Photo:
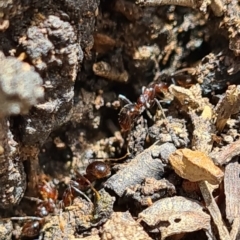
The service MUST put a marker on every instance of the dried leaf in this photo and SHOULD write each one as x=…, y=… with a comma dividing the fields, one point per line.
x=186, y=97
x=176, y=215
x=121, y=225
x=195, y=166
x=227, y=106
x=189, y=99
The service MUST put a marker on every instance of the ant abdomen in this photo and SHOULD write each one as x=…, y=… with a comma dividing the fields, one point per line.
x=128, y=114
x=31, y=229
x=97, y=170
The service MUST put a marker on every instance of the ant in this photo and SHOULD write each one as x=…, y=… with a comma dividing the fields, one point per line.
x=49, y=202
x=94, y=171
x=44, y=207
x=131, y=111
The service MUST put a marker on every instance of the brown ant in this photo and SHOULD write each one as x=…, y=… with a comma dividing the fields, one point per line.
x=49, y=197
x=131, y=111
x=94, y=171
x=44, y=207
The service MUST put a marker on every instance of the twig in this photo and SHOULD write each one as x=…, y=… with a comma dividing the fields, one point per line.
x=216, y=5
x=212, y=207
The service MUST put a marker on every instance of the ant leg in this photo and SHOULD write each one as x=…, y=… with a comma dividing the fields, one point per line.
x=170, y=131
x=143, y=89
x=41, y=236
x=149, y=114
x=173, y=81
x=81, y=193
x=37, y=200
x=124, y=99
x=190, y=70
x=97, y=195
x=160, y=107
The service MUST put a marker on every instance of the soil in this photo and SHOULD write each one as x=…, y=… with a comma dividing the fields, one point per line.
x=95, y=61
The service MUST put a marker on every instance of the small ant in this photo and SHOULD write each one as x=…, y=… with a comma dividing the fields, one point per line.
x=49, y=202
x=44, y=207
x=94, y=171
x=131, y=111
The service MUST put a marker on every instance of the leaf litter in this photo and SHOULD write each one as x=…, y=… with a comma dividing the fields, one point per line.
x=192, y=147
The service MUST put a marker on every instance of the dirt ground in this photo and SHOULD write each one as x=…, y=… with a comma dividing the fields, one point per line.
x=119, y=119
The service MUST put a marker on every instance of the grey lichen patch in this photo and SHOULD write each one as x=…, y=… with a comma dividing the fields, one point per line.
x=20, y=86
x=12, y=175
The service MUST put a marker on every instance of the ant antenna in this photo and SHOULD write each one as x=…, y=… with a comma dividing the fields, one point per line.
x=117, y=159
x=24, y=218
x=183, y=70
x=113, y=159
x=97, y=195
x=124, y=99
x=190, y=70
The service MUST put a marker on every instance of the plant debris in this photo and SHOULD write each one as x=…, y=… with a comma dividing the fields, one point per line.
x=176, y=215
x=119, y=119
x=149, y=163
x=123, y=226
x=231, y=190
x=195, y=166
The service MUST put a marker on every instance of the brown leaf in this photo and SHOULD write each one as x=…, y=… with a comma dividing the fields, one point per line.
x=176, y=215
x=195, y=166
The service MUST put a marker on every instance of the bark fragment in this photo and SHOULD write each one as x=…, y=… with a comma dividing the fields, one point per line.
x=149, y=163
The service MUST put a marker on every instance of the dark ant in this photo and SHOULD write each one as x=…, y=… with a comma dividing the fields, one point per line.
x=131, y=111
